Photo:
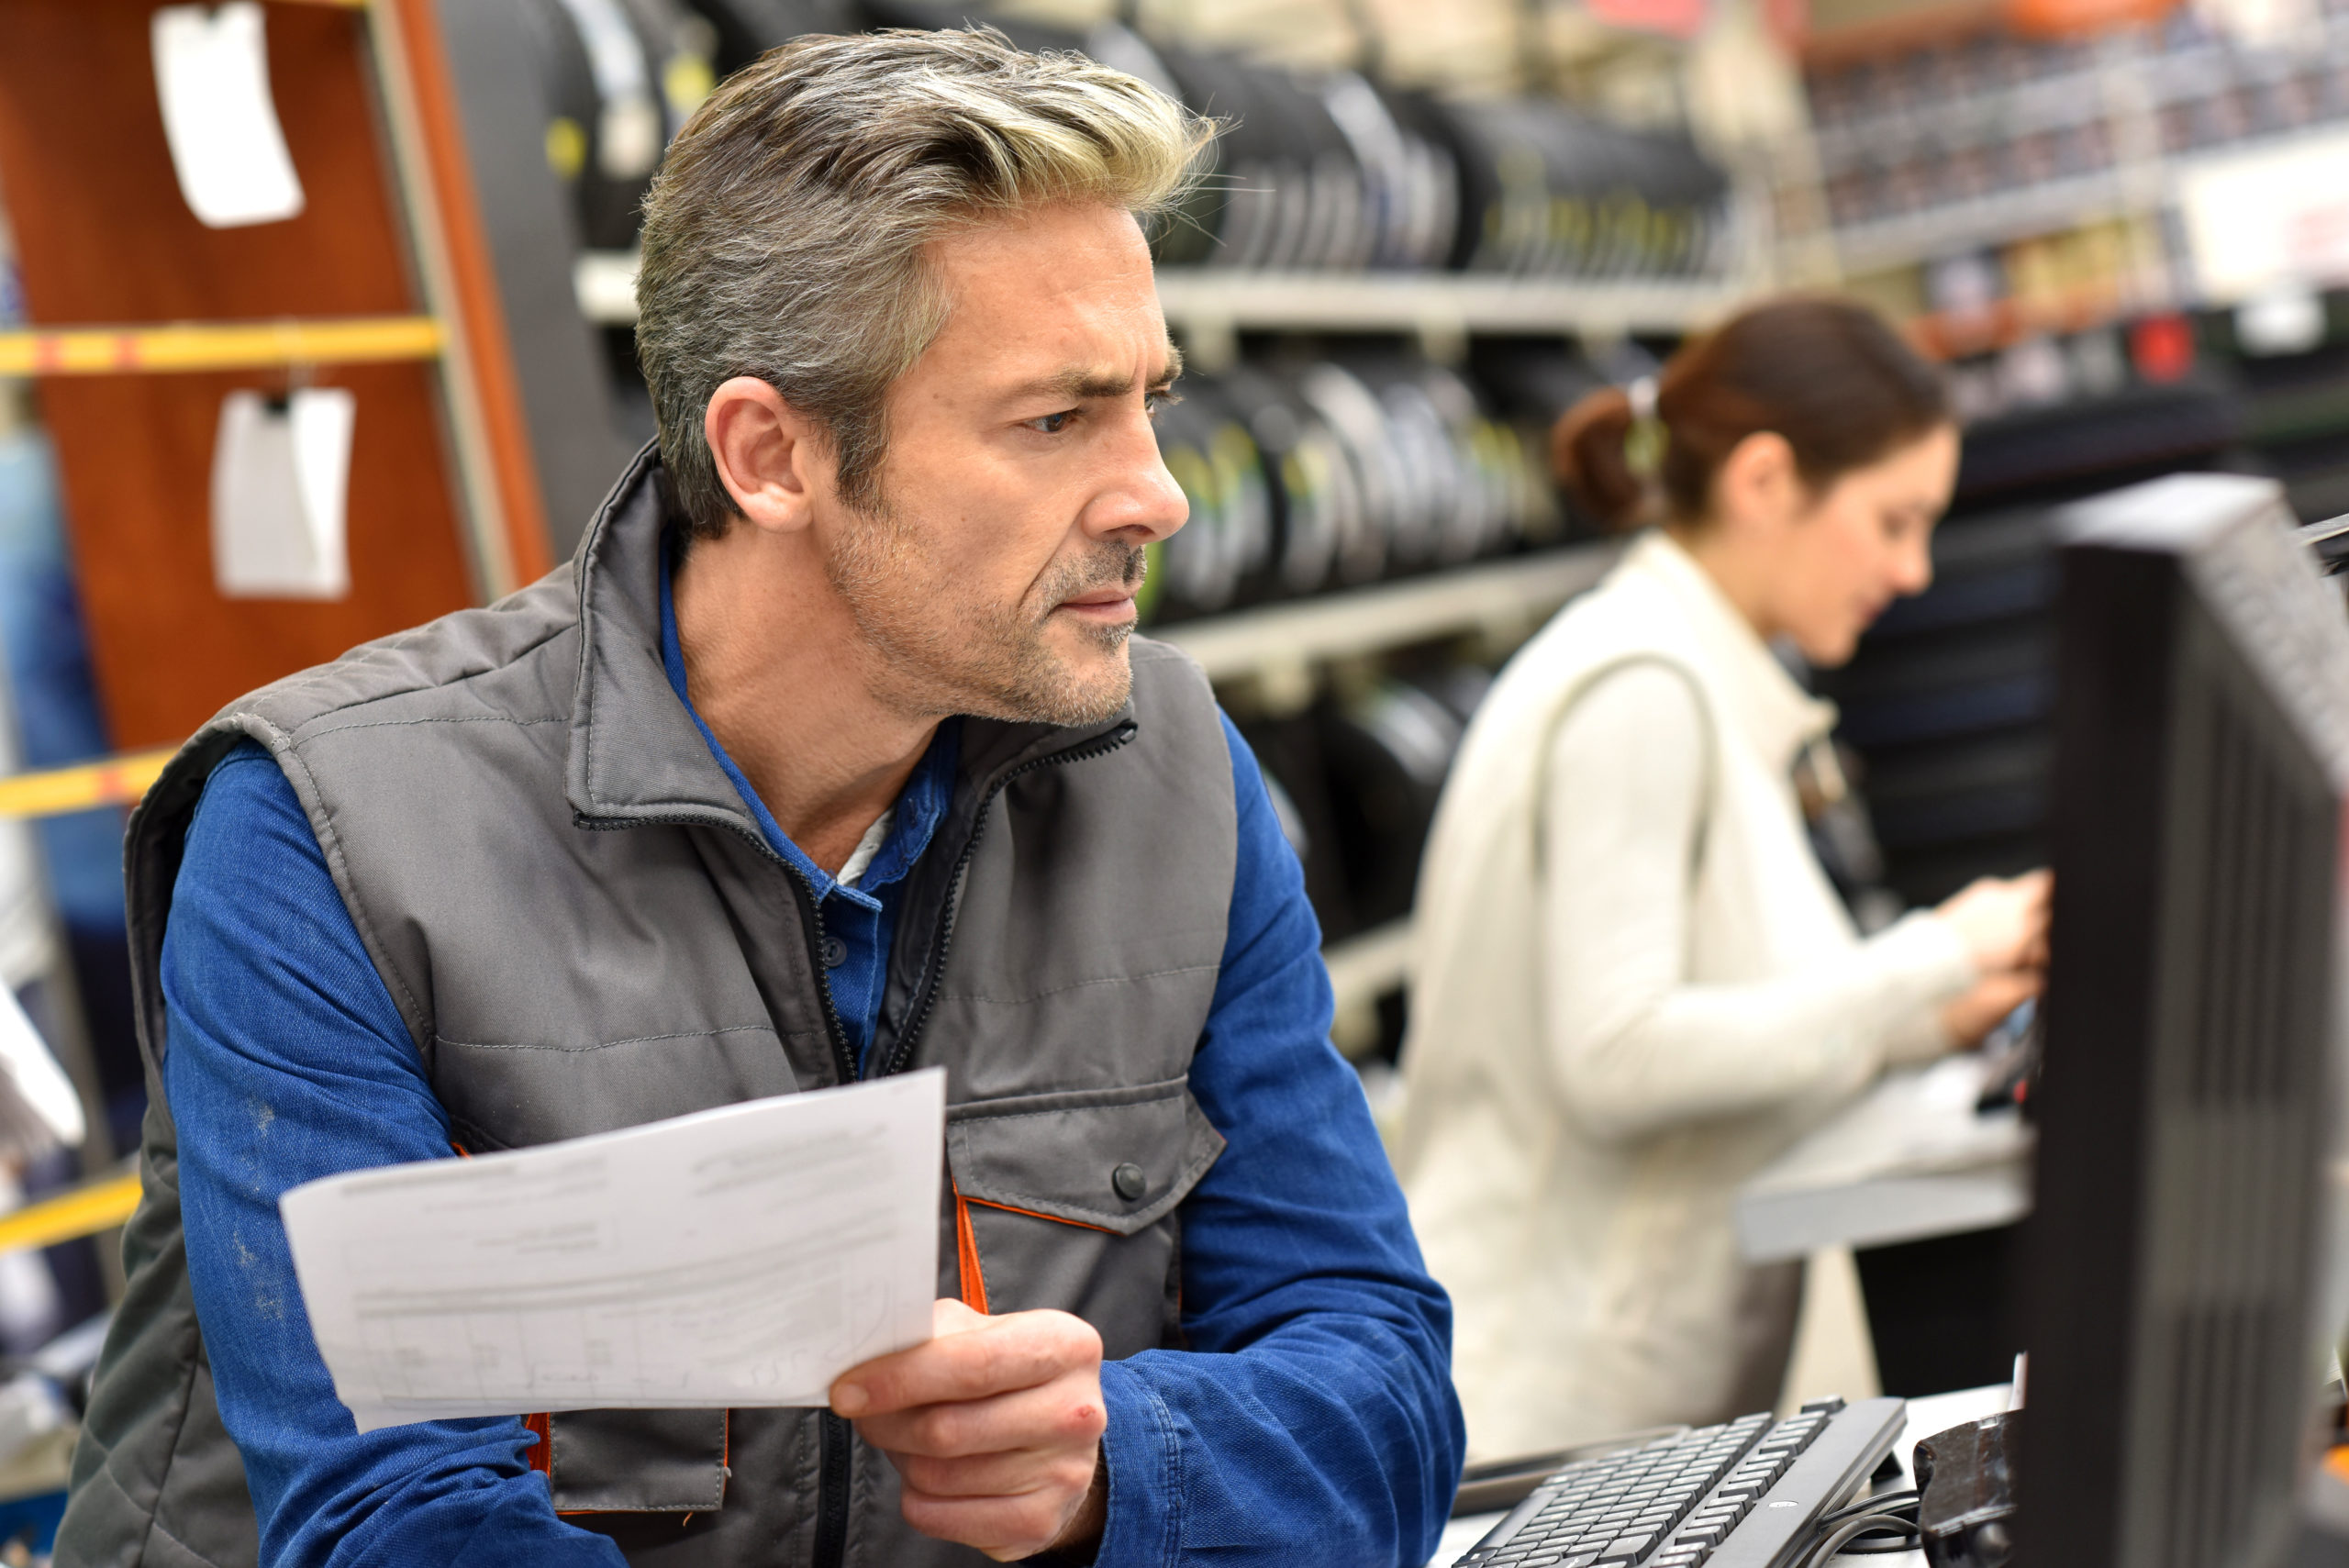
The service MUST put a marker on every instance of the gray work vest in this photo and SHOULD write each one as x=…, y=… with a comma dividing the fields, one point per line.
x=583, y=928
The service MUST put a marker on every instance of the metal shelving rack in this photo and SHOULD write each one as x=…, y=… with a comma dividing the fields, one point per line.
x=1209, y=305
x=2121, y=87
x=1277, y=647
x=1279, y=643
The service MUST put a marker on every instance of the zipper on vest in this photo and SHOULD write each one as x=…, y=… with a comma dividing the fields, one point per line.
x=836, y=1449
x=832, y=1490
x=1101, y=746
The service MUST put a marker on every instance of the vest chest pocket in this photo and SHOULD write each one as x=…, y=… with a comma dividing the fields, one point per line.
x=1071, y=1201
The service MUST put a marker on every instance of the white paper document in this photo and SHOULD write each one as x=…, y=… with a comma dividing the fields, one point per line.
x=212, y=80
x=743, y=1256
x=280, y=487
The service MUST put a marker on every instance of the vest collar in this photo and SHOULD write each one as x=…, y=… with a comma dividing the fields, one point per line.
x=636, y=754
x=1760, y=700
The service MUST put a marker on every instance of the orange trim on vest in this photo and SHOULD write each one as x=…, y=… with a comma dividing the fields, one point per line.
x=1055, y=1218
x=541, y=1454
x=967, y=1256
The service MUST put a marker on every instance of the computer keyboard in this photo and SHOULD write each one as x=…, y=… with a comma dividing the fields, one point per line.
x=1747, y=1494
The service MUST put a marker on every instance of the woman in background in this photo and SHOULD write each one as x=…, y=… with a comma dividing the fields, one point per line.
x=1634, y=985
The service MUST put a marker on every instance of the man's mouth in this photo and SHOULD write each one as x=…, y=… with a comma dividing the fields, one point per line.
x=1112, y=603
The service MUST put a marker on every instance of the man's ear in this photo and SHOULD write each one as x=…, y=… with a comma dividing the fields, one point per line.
x=772, y=458
x=1759, y=484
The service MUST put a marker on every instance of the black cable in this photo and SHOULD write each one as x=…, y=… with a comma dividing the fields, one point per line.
x=1870, y=1527
x=1845, y=1534
x=1908, y=1539
x=1882, y=1502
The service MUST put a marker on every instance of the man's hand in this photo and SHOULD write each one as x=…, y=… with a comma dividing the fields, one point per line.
x=994, y=1427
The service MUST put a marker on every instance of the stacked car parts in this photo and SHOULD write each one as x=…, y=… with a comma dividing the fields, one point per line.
x=1316, y=474
x=618, y=79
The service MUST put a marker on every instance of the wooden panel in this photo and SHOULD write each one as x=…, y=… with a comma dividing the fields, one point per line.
x=102, y=236
x=169, y=650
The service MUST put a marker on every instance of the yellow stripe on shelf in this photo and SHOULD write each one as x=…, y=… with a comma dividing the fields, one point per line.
x=218, y=346
x=84, y=1211
x=118, y=781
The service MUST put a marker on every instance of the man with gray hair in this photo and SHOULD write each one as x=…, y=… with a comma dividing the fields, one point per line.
x=831, y=755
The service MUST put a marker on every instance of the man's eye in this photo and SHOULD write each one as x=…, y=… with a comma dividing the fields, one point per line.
x=1053, y=424
x=1157, y=402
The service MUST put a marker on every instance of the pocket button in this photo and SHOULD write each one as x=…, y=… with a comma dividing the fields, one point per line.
x=1129, y=1182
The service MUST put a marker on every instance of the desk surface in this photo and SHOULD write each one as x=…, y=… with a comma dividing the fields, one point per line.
x=1908, y=1160
x=1926, y=1417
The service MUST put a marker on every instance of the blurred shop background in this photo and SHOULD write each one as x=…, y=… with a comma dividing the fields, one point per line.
x=315, y=322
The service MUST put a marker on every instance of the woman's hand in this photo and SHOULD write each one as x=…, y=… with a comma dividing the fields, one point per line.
x=2003, y=925
x=2002, y=921
x=1972, y=1016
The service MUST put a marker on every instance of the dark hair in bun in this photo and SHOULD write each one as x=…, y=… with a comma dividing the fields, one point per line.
x=1830, y=375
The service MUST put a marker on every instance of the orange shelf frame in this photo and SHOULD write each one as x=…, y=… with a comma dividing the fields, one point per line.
x=219, y=346
x=114, y=780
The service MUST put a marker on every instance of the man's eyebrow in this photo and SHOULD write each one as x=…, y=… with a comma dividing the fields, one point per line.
x=1081, y=384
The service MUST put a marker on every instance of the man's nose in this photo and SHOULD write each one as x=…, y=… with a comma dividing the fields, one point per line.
x=1141, y=503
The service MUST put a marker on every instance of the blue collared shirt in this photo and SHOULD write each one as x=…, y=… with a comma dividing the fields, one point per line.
x=1310, y=1423
x=859, y=922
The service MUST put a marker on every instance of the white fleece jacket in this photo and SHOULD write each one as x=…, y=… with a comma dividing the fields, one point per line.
x=1633, y=987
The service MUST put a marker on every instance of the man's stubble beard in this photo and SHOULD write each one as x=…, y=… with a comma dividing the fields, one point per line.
x=945, y=653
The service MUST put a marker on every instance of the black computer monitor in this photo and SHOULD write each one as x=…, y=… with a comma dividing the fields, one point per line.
x=2169, y=1301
